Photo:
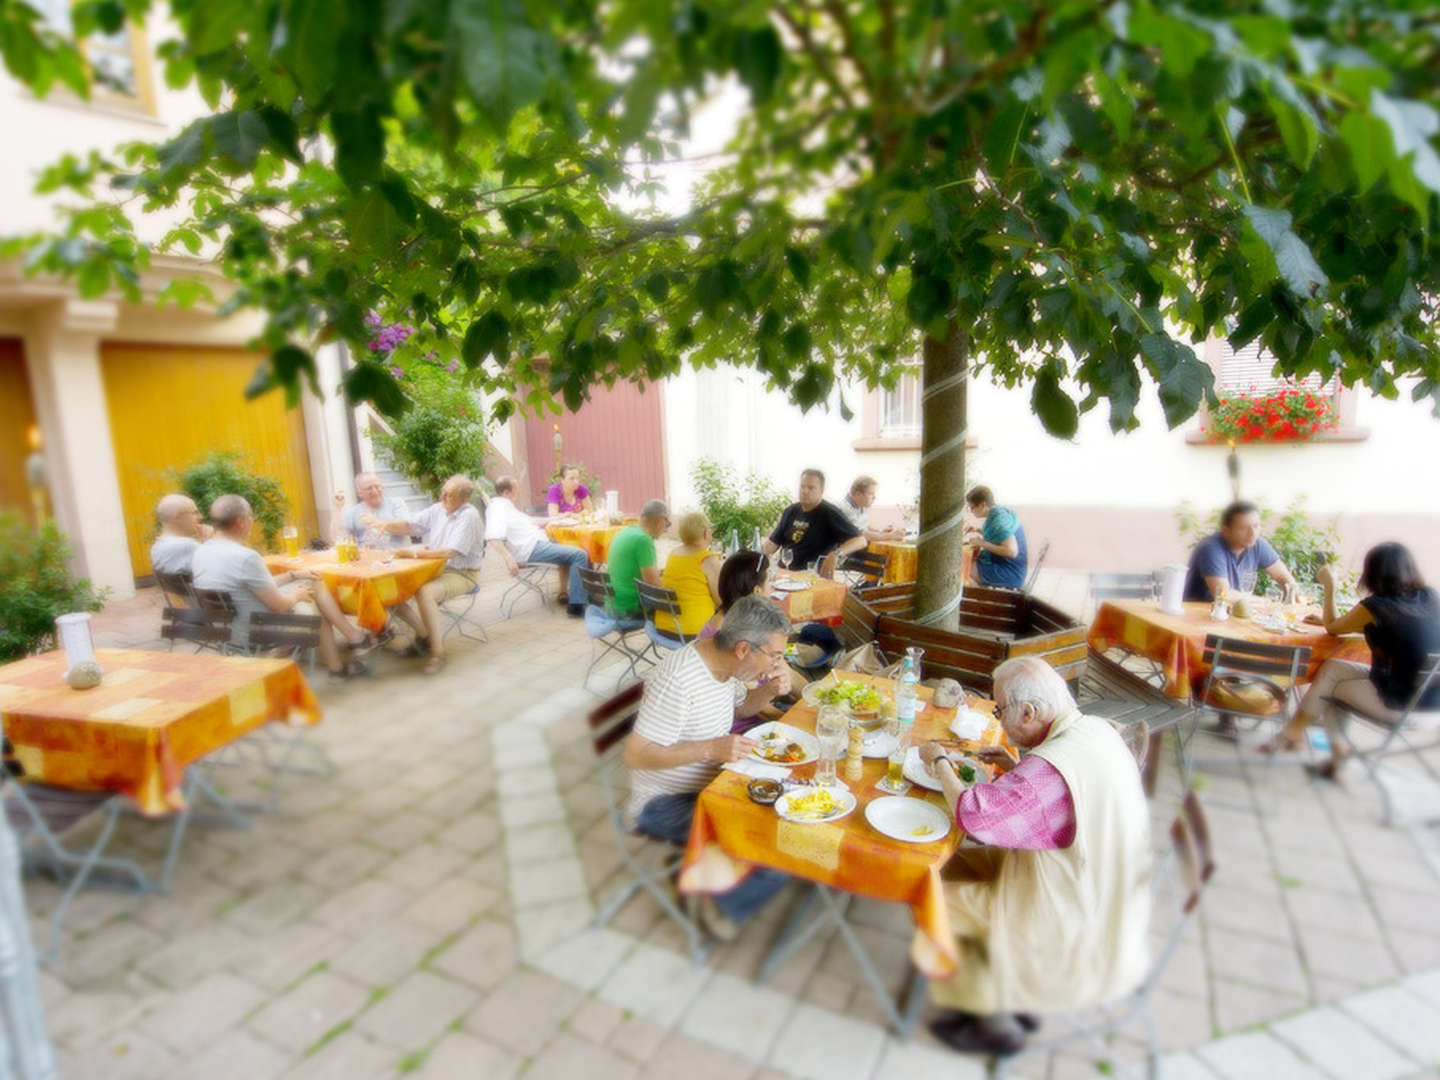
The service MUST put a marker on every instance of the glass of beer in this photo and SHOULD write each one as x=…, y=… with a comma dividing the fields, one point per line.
x=290, y=538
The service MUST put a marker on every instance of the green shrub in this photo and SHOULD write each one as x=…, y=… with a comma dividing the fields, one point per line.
x=224, y=472
x=1301, y=544
x=732, y=508
x=441, y=434
x=35, y=586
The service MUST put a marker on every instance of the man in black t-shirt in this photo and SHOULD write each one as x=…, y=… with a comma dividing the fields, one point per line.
x=814, y=529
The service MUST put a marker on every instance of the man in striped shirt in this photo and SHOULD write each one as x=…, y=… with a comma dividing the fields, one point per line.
x=682, y=737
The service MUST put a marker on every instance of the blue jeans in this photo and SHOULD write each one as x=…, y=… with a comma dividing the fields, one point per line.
x=668, y=818
x=564, y=555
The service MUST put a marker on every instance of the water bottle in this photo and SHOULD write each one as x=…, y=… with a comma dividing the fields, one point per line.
x=907, y=694
x=1319, y=739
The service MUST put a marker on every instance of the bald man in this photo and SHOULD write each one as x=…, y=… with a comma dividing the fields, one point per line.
x=384, y=516
x=181, y=532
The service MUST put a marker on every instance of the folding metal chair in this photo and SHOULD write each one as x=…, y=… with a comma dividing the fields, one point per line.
x=1394, y=730
x=530, y=579
x=1034, y=575
x=652, y=863
x=654, y=600
x=1179, y=884
x=864, y=569
x=608, y=633
x=1110, y=690
x=205, y=629
x=463, y=618
x=1120, y=586
x=179, y=589
x=287, y=633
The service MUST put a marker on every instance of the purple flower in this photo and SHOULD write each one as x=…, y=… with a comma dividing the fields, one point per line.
x=398, y=372
x=453, y=366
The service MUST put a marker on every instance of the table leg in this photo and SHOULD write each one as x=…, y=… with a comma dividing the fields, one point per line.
x=836, y=909
x=796, y=933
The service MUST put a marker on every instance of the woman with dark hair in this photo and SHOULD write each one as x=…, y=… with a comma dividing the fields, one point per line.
x=1400, y=617
x=745, y=573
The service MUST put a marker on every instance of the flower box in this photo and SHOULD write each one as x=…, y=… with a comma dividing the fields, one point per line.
x=1288, y=413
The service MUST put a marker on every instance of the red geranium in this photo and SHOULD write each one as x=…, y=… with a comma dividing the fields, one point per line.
x=1282, y=414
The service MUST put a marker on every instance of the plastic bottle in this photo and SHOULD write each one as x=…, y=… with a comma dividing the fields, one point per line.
x=907, y=695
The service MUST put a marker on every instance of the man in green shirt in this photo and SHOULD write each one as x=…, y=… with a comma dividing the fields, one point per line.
x=632, y=555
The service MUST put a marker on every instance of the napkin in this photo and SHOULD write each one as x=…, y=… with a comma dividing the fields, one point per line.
x=758, y=769
x=969, y=724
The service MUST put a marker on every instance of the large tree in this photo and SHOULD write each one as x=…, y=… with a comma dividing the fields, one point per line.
x=1062, y=195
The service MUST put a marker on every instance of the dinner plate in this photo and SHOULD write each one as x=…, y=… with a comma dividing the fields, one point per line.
x=1273, y=623
x=844, y=800
x=914, y=770
x=787, y=734
x=914, y=821
x=789, y=585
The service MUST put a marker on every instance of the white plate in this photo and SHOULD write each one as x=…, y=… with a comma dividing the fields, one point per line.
x=789, y=585
x=787, y=734
x=843, y=796
x=914, y=821
x=914, y=770
x=1273, y=623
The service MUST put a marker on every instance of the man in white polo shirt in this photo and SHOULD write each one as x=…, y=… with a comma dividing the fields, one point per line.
x=181, y=533
x=519, y=540
x=452, y=531
x=682, y=737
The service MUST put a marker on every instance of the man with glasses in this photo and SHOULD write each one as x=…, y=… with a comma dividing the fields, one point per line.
x=632, y=555
x=682, y=738
x=1053, y=915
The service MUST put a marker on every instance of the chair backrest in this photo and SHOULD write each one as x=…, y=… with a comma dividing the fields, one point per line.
x=870, y=565
x=1429, y=675
x=1227, y=654
x=1107, y=586
x=598, y=589
x=284, y=630
x=655, y=599
x=178, y=588
x=213, y=599
x=612, y=720
x=196, y=624
x=1035, y=568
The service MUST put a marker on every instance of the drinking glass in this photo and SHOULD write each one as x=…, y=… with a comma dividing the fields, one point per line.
x=786, y=557
x=1247, y=582
x=832, y=731
x=290, y=537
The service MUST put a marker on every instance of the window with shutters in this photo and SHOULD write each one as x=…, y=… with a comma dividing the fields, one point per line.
x=1248, y=373
x=119, y=62
x=900, y=409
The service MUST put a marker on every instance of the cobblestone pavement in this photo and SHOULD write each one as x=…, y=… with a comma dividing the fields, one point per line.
x=426, y=912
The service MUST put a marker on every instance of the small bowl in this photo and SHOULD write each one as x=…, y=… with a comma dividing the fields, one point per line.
x=764, y=791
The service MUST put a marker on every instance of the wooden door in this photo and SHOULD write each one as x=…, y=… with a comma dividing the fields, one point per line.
x=170, y=406
x=16, y=415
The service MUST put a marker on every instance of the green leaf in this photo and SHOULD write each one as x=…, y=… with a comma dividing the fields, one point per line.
x=1053, y=405
x=799, y=266
x=312, y=50
x=212, y=27
x=1297, y=132
x=359, y=145
x=368, y=381
x=1184, y=387
x=239, y=136
x=375, y=228
x=503, y=58
x=1412, y=126
x=1179, y=46
x=657, y=285
x=1371, y=148
x=1297, y=266
x=289, y=363
x=758, y=55
x=182, y=152
x=489, y=335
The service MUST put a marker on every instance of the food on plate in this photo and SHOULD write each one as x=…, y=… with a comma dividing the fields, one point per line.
x=765, y=791
x=855, y=696
x=774, y=747
x=815, y=805
x=923, y=830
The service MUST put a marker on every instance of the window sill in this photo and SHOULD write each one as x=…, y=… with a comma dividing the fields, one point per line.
x=1343, y=434
x=114, y=105
x=905, y=442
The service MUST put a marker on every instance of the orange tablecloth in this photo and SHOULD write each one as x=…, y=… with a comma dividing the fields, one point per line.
x=593, y=539
x=153, y=714
x=1177, y=642
x=367, y=587
x=823, y=601
x=730, y=834
x=904, y=559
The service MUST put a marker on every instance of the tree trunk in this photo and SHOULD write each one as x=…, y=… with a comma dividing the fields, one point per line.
x=942, y=478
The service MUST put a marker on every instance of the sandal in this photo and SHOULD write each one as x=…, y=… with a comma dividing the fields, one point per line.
x=1281, y=744
x=433, y=665
x=349, y=671
x=368, y=644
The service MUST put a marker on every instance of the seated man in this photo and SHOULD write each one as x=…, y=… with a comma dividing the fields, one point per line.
x=1054, y=914
x=225, y=563
x=1002, y=554
x=814, y=530
x=383, y=517
x=632, y=555
x=1219, y=562
x=856, y=506
x=452, y=531
x=682, y=737
x=181, y=533
x=510, y=531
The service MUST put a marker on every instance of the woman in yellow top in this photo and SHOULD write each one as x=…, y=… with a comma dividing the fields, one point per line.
x=693, y=572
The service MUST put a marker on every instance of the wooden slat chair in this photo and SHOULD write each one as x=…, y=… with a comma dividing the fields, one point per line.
x=1394, y=731
x=857, y=622
x=213, y=600
x=608, y=634
x=864, y=569
x=205, y=629
x=969, y=660
x=651, y=862
x=178, y=589
x=1111, y=690
x=1179, y=884
x=653, y=600
x=286, y=633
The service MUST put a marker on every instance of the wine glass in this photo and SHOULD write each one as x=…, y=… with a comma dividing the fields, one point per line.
x=1247, y=582
x=786, y=557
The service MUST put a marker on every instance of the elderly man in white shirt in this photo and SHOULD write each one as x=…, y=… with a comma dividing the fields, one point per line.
x=511, y=532
x=452, y=531
x=379, y=519
x=181, y=533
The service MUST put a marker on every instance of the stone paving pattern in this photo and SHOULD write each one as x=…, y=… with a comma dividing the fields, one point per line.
x=425, y=912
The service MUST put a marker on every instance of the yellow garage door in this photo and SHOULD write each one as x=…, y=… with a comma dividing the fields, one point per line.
x=172, y=405
x=15, y=420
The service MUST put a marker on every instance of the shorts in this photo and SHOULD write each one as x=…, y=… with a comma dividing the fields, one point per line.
x=457, y=583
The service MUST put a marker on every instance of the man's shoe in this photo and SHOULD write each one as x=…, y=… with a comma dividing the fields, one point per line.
x=998, y=1035
x=575, y=611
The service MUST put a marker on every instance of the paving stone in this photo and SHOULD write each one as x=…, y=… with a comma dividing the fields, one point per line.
x=422, y=866
x=546, y=882
x=383, y=956
x=595, y=1020
x=450, y=905
x=299, y=1019
x=267, y=863
x=1261, y=962
x=727, y=1006
x=655, y=984
x=526, y=780
x=1336, y=954
x=819, y=1045
x=1401, y=1019
x=279, y=959
x=461, y=1056
x=1240, y=1005
x=567, y=1057
x=1327, y=910
x=273, y=905
x=1405, y=909
x=86, y=1017
x=542, y=928
x=638, y=1039
x=1256, y=1056
x=417, y=1010
x=1341, y=1046
x=472, y=834
x=365, y=904
x=99, y=956
x=481, y=956
x=1183, y=1066
x=344, y=865
x=521, y=756
x=127, y=1056
x=539, y=843
x=531, y=810
x=525, y=1011
x=236, y=1055
x=347, y=1056
x=587, y=959
x=193, y=954
x=909, y=1061
x=195, y=1017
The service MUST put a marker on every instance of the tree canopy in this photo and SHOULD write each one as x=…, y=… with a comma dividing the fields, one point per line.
x=1086, y=190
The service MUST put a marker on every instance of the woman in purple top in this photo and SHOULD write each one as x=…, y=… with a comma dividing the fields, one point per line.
x=568, y=495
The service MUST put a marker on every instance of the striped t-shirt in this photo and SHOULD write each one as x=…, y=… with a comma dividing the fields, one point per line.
x=682, y=702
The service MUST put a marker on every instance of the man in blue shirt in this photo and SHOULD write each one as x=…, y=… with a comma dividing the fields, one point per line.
x=1003, y=557
x=1219, y=560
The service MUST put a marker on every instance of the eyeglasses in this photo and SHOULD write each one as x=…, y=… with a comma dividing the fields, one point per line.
x=1000, y=709
x=772, y=656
